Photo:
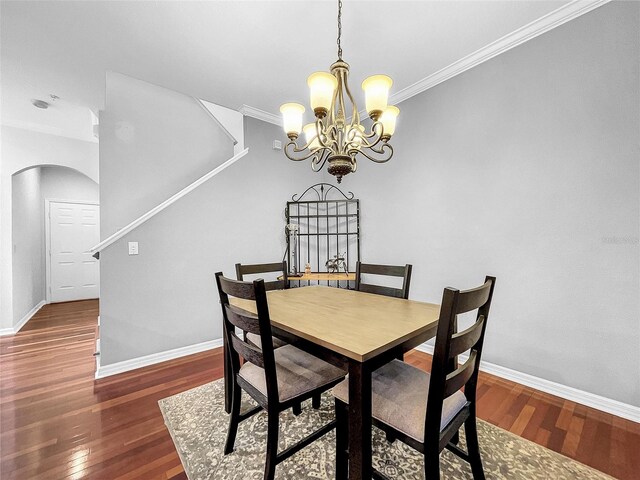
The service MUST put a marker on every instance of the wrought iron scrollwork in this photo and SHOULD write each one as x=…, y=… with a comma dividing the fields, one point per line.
x=322, y=191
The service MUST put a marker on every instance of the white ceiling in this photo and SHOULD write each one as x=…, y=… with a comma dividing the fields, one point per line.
x=230, y=53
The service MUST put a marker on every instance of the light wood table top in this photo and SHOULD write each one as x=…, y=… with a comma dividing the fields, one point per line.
x=354, y=324
x=323, y=276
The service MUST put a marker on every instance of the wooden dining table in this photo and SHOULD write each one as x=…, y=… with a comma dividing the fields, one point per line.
x=357, y=331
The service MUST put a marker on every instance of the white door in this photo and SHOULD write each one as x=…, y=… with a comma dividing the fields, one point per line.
x=73, y=229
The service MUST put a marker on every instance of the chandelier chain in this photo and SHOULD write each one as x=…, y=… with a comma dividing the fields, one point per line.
x=339, y=29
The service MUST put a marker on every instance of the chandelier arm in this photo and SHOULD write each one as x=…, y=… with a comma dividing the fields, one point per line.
x=291, y=148
x=332, y=114
x=377, y=136
x=355, y=116
x=322, y=135
x=385, y=146
x=318, y=162
x=376, y=129
x=370, y=144
x=329, y=142
x=341, y=109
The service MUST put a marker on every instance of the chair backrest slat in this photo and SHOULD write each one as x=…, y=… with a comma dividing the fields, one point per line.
x=242, y=319
x=381, y=290
x=472, y=299
x=459, y=377
x=463, y=341
x=386, y=270
x=247, y=351
x=237, y=289
x=256, y=268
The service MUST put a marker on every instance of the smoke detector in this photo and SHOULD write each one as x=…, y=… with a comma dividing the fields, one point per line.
x=39, y=104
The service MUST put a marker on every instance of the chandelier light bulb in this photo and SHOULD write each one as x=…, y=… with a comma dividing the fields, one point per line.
x=322, y=86
x=376, y=90
x=292, y=118
x=388, y=120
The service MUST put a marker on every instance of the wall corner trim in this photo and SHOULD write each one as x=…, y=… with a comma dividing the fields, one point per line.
x=604, y=404
x=249, y=111
x=152, y=359
x=16, y=328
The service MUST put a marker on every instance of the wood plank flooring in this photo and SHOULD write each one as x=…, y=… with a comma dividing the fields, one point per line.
x=56, y=422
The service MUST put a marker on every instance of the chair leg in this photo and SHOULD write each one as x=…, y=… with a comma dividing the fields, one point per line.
x=228, y=379
x=473, y=448
x=390, y=437
x=315, y=401
x=432, y=464
x=297, y=409
x=234, y=420
x=342, y=440
x=273, y=427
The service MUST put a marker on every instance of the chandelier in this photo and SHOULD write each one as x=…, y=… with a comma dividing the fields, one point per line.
x=333, y=137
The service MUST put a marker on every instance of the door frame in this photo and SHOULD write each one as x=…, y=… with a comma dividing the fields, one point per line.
x=47, y=238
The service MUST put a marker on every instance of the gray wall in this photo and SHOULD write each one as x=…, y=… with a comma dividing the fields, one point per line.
x=527, y=167
x=166, y=297
x=153, y=143
x=28, y=240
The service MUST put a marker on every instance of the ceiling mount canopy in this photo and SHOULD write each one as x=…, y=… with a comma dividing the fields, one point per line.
x=333, y=137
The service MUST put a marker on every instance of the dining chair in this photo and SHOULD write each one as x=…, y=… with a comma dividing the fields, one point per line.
x=278, y=284
x=384, y=270
x=424, y=410
x=276, y=379
x=387, y=270
x=259, y=268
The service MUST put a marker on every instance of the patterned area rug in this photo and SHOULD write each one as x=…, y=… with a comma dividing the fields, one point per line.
x=198, y=425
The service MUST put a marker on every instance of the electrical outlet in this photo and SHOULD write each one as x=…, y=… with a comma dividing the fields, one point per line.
x=133, y=248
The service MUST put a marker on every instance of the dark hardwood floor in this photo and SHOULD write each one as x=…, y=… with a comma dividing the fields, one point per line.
x=56, y=422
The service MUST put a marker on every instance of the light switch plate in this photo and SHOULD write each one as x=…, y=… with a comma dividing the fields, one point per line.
x=133, y=248
x=277, y=145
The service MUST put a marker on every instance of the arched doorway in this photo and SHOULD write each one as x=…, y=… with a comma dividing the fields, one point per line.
x=55, y=215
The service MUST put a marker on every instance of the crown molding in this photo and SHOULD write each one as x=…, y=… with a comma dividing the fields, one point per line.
x=523, y=34
x=249, y=111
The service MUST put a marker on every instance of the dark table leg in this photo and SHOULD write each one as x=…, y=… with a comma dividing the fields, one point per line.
x=359, y=421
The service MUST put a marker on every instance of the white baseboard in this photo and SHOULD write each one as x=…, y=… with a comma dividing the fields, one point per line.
x=127, y=365
x=16, y=328
x=592, y=400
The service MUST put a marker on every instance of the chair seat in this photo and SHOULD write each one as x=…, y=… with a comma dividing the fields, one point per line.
x=255, y=339
x=298, y=373
x=399, y=398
